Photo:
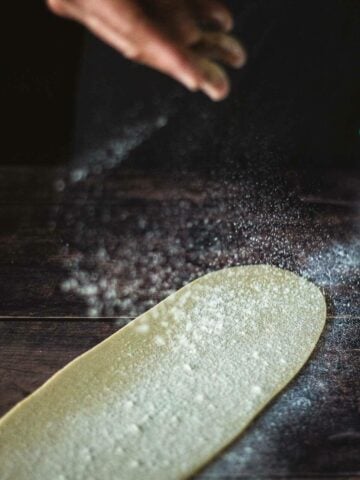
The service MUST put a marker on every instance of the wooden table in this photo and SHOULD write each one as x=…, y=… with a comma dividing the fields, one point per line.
x=312, y=430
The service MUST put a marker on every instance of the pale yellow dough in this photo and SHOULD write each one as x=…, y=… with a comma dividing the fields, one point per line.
x=165, y=394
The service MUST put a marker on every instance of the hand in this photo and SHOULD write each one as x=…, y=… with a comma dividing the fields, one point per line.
x=181, y=38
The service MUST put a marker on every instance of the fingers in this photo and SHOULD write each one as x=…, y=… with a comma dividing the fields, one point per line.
x=194, y=71
x=181, y=50
x=152, y=47
x=149, y=46
x=221, y=47
x=214, y=13
x=170, y=58
x=201, y=72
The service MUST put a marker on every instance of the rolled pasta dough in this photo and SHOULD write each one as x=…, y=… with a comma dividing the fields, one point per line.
x=161, y=397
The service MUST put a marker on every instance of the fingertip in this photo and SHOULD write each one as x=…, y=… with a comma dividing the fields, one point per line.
x=189, y=82
x=232, y=48
x=224, y=19
x=216, y=94
x=241, y=60
x=215, y=82
x=219, y=14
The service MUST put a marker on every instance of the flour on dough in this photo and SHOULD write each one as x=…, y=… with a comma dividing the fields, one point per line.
x=161, y=397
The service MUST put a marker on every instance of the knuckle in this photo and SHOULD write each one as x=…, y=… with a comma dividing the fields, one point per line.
x=191, y=35
x=180, y=59
x=133, y=53
x=93, y=22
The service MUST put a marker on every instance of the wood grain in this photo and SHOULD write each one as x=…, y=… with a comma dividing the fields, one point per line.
x=215, y=227
x=196, y=221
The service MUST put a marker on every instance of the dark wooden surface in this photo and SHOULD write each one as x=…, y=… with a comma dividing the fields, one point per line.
x=312, y=430
x=161, y=229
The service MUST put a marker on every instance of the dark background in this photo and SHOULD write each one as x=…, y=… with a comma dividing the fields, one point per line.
x=39, y=70
x=63, y=93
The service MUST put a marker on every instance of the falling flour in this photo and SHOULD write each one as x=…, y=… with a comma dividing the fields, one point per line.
x=122, y=260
